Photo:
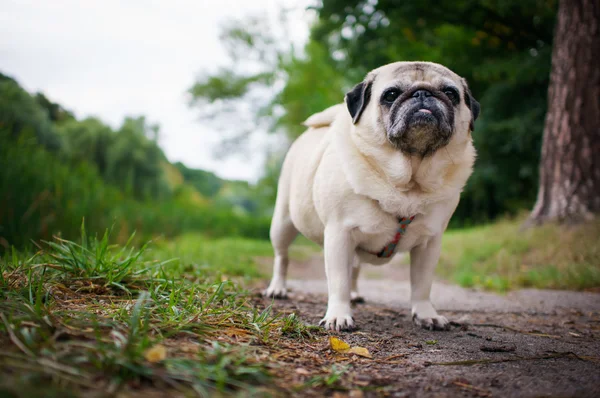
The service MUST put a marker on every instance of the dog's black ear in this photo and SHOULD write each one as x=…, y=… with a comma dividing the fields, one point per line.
x=357, y=99
x=472, y=104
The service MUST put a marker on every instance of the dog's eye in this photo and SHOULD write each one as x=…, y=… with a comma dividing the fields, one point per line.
x=452, y=94
x=391, y=95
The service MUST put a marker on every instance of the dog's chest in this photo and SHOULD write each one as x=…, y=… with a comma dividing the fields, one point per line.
x=393, y=236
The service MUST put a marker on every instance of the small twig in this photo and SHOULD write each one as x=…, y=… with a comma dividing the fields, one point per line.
x=472, y=387
x=389, y=362
x=395, y=356
x=589, y=358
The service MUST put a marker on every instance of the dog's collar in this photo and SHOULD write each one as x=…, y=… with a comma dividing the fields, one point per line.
x=390, y=248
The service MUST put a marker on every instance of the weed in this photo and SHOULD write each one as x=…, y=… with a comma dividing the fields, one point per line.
x=293, y=327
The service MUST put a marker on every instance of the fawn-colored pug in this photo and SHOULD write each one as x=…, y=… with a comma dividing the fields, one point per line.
x=378, y=176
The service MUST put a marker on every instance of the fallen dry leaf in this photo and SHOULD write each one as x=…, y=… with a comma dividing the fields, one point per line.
x=363, y=352
x=338, y=345
x=156, y=353
x=344, y=348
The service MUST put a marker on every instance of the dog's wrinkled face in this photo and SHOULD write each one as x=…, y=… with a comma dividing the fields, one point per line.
x=418, y=106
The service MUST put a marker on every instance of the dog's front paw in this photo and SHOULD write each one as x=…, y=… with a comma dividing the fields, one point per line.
x=338, y=318
x=345, y=322
x=434, y=323
x=425, y=316
x=276, y=291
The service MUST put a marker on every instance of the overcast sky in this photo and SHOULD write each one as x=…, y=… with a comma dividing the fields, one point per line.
x=113, y=58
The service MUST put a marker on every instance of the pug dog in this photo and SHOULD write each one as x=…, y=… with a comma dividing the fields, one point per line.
x=379, y=176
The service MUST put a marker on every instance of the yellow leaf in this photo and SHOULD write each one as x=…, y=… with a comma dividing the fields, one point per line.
x=338, y=345
x=156, y=353
x=344, y=348
x=363, y=352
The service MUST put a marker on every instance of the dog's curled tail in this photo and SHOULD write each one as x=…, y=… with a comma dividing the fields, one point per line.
x=324, y=118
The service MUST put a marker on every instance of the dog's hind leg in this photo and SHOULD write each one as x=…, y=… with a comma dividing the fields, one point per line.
x=354, y=296
x=283, y=232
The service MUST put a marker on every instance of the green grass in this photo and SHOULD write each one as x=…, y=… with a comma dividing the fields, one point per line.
x=224, y=257
x=500, y=256
x=85, y=316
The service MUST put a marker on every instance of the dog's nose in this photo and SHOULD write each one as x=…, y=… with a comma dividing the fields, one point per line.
x=422, y=94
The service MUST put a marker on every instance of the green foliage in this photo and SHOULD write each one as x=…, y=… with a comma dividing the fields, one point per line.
x=56, y=170
x=205, y=182
x=41, y=195
x=313, y=84
x=87, y=140
x=21, y=114
x=238, y=98
x=226, y=84
x=241, y=196
x=129, y=158
x=56, y=112
x=134, y=160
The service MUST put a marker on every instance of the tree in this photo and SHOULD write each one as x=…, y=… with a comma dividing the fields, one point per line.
x=569, y=188
x=205, y=182
x=23, y=116
x=134, y=160
x=87, y=140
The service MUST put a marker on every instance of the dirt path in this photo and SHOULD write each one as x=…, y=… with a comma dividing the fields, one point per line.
x=527, y=343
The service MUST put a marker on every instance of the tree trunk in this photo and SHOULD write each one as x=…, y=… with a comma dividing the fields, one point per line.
x=569, y=190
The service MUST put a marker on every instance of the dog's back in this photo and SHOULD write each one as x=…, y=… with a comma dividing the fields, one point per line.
x=294, y=195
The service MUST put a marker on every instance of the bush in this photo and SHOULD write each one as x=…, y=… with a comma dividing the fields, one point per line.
x=41, y=195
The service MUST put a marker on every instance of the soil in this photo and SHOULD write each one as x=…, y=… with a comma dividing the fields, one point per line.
x=528, y=343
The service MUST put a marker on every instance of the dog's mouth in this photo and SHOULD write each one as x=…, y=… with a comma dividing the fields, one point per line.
x=420, y=128
x=422, y=116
